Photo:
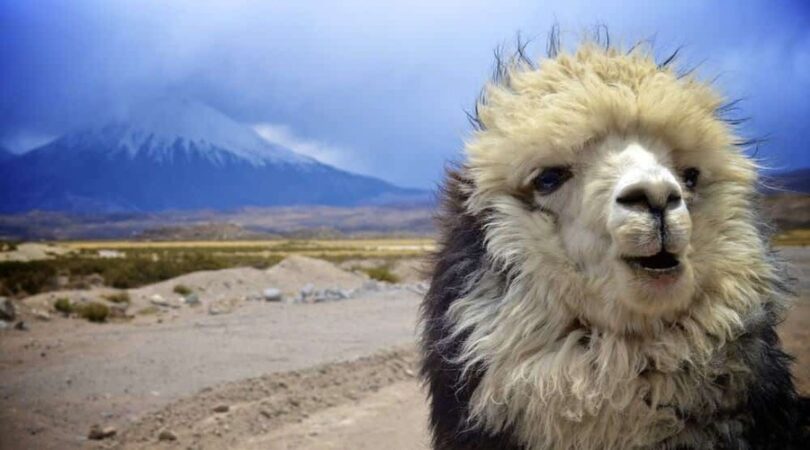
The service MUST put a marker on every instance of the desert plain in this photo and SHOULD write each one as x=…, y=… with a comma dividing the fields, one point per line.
x=314, y=351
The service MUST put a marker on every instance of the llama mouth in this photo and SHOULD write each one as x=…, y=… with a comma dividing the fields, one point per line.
x=660, y=263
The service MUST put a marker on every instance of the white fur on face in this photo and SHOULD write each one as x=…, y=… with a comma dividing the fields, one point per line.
x=644, y=172
x=597, y=233
x=633, y=228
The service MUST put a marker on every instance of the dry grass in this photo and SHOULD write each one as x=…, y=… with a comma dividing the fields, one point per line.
x=149, y=311
x=380, y=273
x=800, y=237
x=117, y=297
x=94, y=312
x=181, y=289
x=143, y=263
x=280, y=244
x=63, y=305
x=333, y=249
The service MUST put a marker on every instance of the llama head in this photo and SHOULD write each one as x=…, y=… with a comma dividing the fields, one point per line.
x=614, y=180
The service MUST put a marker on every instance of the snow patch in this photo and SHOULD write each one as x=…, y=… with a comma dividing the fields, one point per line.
x=163, y=130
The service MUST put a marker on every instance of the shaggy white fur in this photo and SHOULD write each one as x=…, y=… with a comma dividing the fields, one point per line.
x=579, y=350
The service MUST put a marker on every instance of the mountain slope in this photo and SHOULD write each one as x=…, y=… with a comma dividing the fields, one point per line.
x=178, y=156
x=5, y=155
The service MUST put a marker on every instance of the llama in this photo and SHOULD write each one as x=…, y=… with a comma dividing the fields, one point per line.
x=602, y=280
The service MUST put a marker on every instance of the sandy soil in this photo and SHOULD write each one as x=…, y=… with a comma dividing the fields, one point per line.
x=64, y=375
x=355, y=404
x=392, y=418
x=267, y=376
x=31, y=251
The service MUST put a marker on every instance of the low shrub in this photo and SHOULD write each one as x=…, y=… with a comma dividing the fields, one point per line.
x=63, y=305
x=181, y=289
x=94, y=312
x=149, y=310
x=7, y=245
x=118, y=297
x=20, y=278
x=381, y=273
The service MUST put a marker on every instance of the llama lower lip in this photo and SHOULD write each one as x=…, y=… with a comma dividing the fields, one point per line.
x=661, y=264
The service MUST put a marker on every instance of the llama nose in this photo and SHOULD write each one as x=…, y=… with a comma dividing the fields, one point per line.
x=653, y=195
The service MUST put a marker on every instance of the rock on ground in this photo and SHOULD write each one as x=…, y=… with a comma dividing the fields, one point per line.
x=7, y=310
x=167, y=435
x=272, y=294
x=98, y=433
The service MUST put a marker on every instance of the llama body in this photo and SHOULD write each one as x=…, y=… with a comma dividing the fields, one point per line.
x=601, y=281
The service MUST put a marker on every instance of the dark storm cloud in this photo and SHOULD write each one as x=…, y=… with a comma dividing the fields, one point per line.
x=377, y=87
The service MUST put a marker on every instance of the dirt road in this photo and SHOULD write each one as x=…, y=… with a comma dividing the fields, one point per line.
x=369, y=403
x=393, y=418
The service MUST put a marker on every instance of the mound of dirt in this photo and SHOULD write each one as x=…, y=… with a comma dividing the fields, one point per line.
x=228, y=415
x=407, y=270
x=217, y=286
x=33, y=252
x=209, y=285
x=296, y=271
x=289, y=276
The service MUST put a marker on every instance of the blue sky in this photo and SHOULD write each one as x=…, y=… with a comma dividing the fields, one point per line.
x=377, y=87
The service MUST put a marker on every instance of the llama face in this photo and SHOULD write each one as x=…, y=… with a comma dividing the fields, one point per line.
x=618, y=176
x=623, y=216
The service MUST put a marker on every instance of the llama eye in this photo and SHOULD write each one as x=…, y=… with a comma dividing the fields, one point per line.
x=551, y=179
x=690, y=177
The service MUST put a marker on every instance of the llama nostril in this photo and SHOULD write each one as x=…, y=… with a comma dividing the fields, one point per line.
x=634, y=197
x=649, y=197
x=673, y=201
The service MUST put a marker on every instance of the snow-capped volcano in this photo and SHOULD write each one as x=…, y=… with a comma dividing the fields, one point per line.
x=168, y=128
x=178, y=155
